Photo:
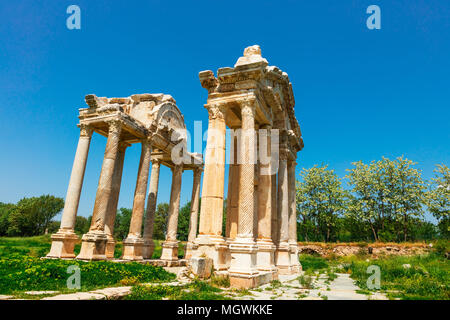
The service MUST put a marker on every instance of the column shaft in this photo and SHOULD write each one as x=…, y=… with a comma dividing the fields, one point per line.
x=194, y=205
x=211, y=213
x=140, y=192
x=292, y=205
x=170, y=246
x=106, y=177
x=265, y=194
x=151, y=201
x=76, y=179
x=174, y=206
x=247, y=173
x=117, y=180
x=283, y=202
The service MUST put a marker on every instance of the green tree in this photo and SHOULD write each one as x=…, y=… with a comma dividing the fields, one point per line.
x=122, y=223
x=407, y=193
x=5, y=211
x=160, y=224
x=183, y=222
x=32, y=216
x=438, y=198
x=82, y=225
x=320, y=201
x=386, y=194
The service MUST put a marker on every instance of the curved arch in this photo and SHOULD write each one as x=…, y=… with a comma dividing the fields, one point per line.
x=168, y=115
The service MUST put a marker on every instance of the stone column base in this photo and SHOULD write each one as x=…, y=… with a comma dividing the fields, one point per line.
x=147, y=248
x=295, y=263
x=190, y=249
x=63, y=243
x=253, y=281
x=110, y=247
x=283, y=258
x=243, y=258
x=132, y=249
x=93, y=246
x=169, y=250
x=213, y=247
x=265, y=257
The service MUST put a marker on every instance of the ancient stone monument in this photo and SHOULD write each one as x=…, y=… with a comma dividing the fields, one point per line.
x=261, y=230
x=153, y=120
x=256, y=102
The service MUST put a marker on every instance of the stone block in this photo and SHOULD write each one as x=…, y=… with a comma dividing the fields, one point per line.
x=201, y=267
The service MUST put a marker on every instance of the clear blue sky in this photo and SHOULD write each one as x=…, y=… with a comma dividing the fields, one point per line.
x=360, y=94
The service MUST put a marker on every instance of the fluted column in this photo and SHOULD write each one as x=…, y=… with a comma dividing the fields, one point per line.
x=210, y=239
x=233, y=190
x=282, y=253
x=94, y=242
x=132, y=245
x=193, y=222
x=243, y=249
x=293, y=245
x=112, y=206
x=64, y=240
x=266, y=248
x=170, y=246
x=147, y=250
x=211, y=213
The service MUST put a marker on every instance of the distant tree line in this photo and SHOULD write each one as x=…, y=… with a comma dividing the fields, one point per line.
x=385, y=201
x=34, y=216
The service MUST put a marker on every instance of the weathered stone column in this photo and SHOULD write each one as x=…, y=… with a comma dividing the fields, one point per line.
x=243, y=270
x=170, y=246
x=210, y=240
x=265, y=256
x=93, y=245
x=233, y=190
x=132, y=245
x=112, y=206
x=274, y=210
x=282, y=253
x=64, y=240
x=147, y=249
x=193, y=223
x=293, y=245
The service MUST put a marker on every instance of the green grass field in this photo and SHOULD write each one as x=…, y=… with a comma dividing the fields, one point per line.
x=423, y=277
x=420, y=277
x=21, y=269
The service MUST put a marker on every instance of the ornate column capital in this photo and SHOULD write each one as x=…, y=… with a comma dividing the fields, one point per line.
x=86, y=130
x=216, y=110
x=248, y=106
x=115, y=126
x=284, y=152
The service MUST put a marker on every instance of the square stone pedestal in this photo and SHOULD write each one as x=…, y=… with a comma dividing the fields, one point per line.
x=63, y=243
x=110, y=247
x=296, y=267
x=242, y=271
x=283, y=258
x=214, y=247
x=93, y=246
x=147, y=248
x=132, y=249
x=169, y=250
x=265, y=257
x=190, y=249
